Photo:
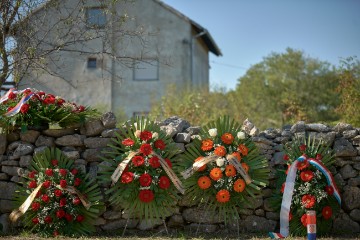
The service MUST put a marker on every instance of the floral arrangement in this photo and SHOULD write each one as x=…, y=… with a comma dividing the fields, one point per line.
x=31, y=107
x=57, y=198
x=314, y=186
x=223, y=169
x=139, y=169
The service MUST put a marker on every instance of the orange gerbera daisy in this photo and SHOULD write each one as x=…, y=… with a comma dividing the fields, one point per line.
x=245, y=167
x=223, y=196
x=220, y=151
x=204, y=182
x=215, y=174
x=243, y=149
x=237, y=155
x=227, y=138
x=239, y=185
x=230, y=170
x=207, y=145
x=202, y=168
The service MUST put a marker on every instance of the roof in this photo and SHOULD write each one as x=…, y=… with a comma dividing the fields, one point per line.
x=206, y=37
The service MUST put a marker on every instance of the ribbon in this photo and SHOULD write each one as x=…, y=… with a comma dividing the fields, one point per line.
x=232, y=159
x=6, y=96
x=121, y=167
x=25, y=206
x=73, y=190
x=18, y=106
x=289, y=189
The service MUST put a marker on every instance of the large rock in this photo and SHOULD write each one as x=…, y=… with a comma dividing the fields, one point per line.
x=350, y=198
x=355, y=215
x=350, y=133
x=108, y=120
x=96, y=142
x=326, y=138
x=341, y=127
x=73, y=155
x=110, y=133
x=7, y=190
x=92, y=155
x=12, y=171
x=176, y=221
x=343, y=148
x=196, y=215
x=45, y=141
x=5, y=223
x=149, y=224
x=58, y=132
x=120, y=224
x=344, y=224
x=6, y=206
x=317, y=127
x=75, y=140
x=3, y=143
x=92, y=128
x=22, y=150
x=298, y=127
x=182, y=138
x=178, y=123
x=112, y=215
x=29, y=136
x=348, y=172
x=25, y=161
x=258, y=224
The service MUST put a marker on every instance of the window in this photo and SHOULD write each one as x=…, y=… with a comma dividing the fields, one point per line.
x=95, y=17
x=91, y=63
x=146, y=70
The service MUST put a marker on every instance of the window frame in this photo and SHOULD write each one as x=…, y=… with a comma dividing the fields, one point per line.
x=97, y=24
x=90, y=60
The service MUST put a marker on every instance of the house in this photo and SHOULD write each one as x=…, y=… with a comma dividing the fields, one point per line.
x=132, y=58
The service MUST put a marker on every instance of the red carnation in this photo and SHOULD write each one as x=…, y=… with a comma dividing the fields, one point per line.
x=128, y=142
x=308, y=200
x=318, y=157
x=45, y=198
x=63, y=183
x=68, y=217
x=302, y=147
x=304, y=220
x=302, y=165
x=127, y=177
x=168, y=162
x=77, y=182
x=138, y=161
x=63, y=172
x=329, y=190
x=74, y=171
x=145, y=135
x=307, y=175
x=32, y=184
x=32, y=174
x=60, y=213
x=49, y=172
x=54, y=162
x=145, y=180
x=35, y=220
x=24, y=108
x=48, y=219
x=146, y=196
x=76, y=201
x=62, y=202
x=327, y=212
x=146, y=149
x=46, y=184
x=12, y=95
x=160, y=144
x=286, y=157
x=164, y=182
x=154, y=162
x=58, y=193
x=35, y=206
x=49, y=99
x=80, y=218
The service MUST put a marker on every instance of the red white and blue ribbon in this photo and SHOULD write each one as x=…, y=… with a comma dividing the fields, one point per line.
x=18, y=106
x=289, y=189
x=6, y=96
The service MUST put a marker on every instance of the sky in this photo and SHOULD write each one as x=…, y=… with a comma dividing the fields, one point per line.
x=246, y=31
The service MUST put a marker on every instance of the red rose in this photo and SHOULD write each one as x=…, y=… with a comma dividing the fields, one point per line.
x=307, y=175
x=60, y=101
x=302, y=165
x=32, y=184
x=58, y=193
x=154, y=162
x=128, y=142
x=62, y=202
x=46, y=184
x=318, y=157
x=45, y=198
x=63, y=183
x=27, y=91
x=145, y=180
x=80, y=218
x=12, y=95
x=160, y=144
x=74, y=171
x=146, y=149
x=68, y=217
x=63, y=172
x=54, y=162
x=35, y=220
x=77, y=182
x=329, y=190
x=49, y=172
x=146, y=196
x=76, y=201
x=164, y=182
x=304, y=220
x=138, y=161
x=168, y=162
x=145, y=135
x=40, y=93
x=48, y=219
x=35, y=206
x=308, y=200
x=38, y=194
x=81, y=108
x=327, y=212
x=24, y=108
x=127, y=177
x=302, y=147
x=60, y=213
x=286, y=157
x=32, y=174
x=49, y=100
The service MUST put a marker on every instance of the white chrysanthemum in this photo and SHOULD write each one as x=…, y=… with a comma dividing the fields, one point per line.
x=155, y=135
x=220, y=162
x=213, y=132
x=241, y=135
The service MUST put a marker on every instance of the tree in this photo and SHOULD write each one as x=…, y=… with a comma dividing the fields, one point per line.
x=287, y=87
x=32, y=35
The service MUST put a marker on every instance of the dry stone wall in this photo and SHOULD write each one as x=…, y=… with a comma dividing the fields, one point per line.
x=84, y=146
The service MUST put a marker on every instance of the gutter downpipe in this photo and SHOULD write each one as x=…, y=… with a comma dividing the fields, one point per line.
x=192, y=48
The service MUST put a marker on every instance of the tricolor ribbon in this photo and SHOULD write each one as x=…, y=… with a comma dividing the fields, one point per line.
x=289, y=190
x=6, y=96
x=18, y=106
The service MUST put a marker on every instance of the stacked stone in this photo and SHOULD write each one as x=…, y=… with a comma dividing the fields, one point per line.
x=86, y=144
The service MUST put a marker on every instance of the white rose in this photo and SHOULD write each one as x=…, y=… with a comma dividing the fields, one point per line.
x=220, y=162
x=155, y=135
x=213, y=132
x=241, y=135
